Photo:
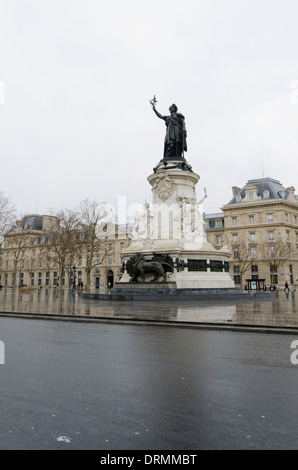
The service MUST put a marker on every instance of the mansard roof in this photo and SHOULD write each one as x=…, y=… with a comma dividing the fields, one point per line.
x=266, y=189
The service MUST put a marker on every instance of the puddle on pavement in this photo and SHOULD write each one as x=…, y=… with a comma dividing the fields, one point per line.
x=280, y=310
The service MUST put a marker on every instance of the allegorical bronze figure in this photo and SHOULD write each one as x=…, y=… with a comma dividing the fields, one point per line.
x=175, y=139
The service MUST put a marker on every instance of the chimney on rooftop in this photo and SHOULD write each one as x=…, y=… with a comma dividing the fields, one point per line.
x=235, y=190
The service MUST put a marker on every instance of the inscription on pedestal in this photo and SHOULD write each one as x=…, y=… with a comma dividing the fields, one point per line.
x=202, y=265
x=216, y=266
x=197, y=264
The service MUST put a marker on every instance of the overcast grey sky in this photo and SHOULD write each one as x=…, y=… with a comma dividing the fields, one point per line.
x=76, y=121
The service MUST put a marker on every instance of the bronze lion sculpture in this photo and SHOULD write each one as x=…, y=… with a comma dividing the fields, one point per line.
x=137, y=266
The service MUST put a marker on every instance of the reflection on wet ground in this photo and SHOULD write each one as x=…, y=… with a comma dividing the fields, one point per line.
x=279, y=310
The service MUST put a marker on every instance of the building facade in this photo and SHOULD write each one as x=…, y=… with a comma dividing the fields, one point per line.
x=259, y=225
x=260, y=228
x=28, y=258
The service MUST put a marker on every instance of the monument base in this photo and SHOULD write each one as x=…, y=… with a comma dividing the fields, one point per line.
x=168, y=291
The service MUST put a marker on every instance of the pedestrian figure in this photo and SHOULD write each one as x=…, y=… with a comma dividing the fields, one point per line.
x=287, y=287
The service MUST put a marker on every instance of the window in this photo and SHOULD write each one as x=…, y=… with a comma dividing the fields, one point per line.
x=235, y=238
x=47, y=279
x=266, y=194
x=39, y=278
x=236, y=253
x=251, y=219
x=110, y=259
x=271, y=236
x=269, y=218
x=32, y=279
x=234, y=221
x=238, y=198
x=254, y=272
x=55, y=278
x=218, y=223
x=286, y=218
x=218, y=240
x=253, y=252
x=291, y=274
x=271, y=251
x=251, y=196
x=80, y=261
x=273, y=275
x=288, y=235
x=121, y=246
x=252, y=237
x=237, y=277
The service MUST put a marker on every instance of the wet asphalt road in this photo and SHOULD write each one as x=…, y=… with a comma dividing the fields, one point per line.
x=67, y=385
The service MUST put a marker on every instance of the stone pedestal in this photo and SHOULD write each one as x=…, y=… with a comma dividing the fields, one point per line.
x=173, y=227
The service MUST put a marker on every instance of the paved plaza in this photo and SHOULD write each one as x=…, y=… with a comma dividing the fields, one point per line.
x=145, y=385
x=276, y=310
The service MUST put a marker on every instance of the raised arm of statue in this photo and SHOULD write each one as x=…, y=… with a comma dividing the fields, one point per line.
x=158, y=114
x=153, y=104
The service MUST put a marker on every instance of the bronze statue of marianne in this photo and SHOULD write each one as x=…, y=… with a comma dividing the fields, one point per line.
x=175, y=139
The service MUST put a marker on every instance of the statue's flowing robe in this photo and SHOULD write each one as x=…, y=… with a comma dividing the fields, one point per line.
x=175, y=138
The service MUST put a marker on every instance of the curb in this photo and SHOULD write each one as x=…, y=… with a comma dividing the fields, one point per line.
x=288, y=330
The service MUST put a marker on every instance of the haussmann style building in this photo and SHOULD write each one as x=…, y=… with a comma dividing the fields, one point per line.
x=29, y=259
x=260, y=227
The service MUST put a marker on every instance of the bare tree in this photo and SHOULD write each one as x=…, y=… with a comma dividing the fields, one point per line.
x=93, y=249
x=7, y=220
x=275, y=256
x=18, y=239
x=244, y=260
x=7, y=215
x=62, y=240
x=30, y=267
